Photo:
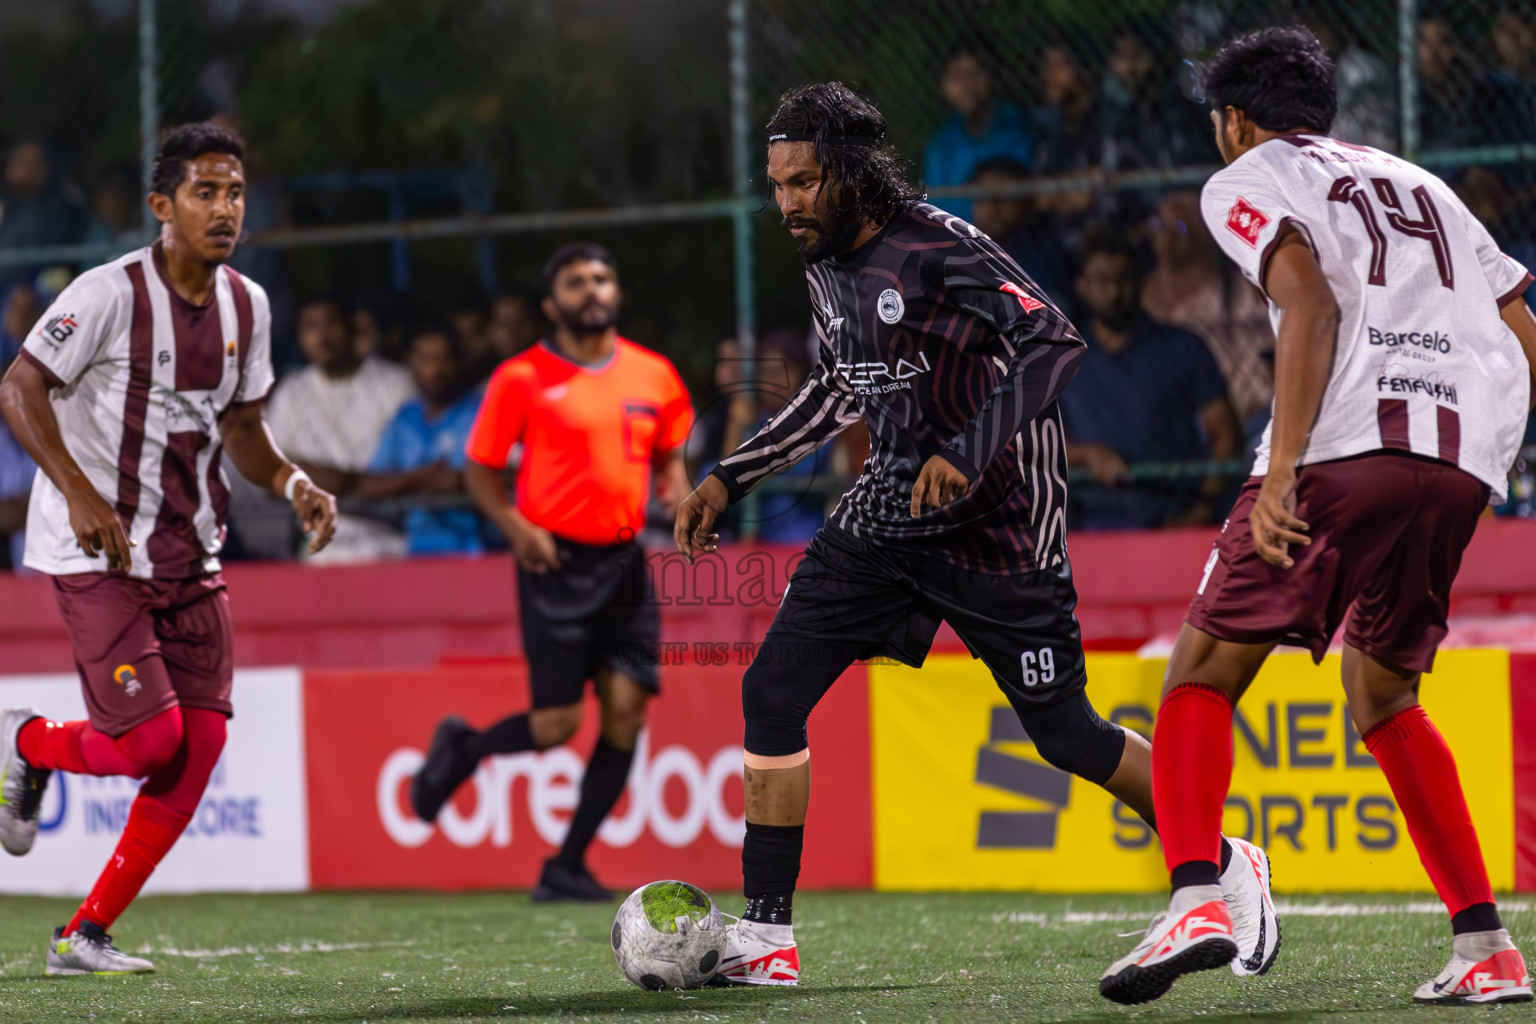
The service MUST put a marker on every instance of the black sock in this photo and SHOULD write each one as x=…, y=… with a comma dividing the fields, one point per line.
x=1226, y=854
x=1479, y=917
x=601, y=787
x=511, y=735
x=770, y=866
x=1196, y=872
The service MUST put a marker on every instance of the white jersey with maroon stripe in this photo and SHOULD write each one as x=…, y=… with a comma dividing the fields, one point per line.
x=1423, y=361
x=140, y=377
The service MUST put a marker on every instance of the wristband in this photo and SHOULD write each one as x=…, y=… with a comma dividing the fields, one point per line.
x=294, y=479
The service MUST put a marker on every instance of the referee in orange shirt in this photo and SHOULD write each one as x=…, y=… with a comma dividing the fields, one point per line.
x=601, y=421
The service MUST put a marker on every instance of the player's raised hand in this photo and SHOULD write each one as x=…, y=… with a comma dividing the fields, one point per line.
x=98, y=530
x=938, y=484
x=693, y=529
x=317, y=514
x=1273, y=519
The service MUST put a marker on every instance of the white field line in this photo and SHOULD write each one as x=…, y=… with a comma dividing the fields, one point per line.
x=1286, y=908
x=281, y=947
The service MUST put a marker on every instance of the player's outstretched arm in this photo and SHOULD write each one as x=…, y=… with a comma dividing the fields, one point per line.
x=255, y=455
x=1520, y=320
x=1304, y=348
x=29, y=414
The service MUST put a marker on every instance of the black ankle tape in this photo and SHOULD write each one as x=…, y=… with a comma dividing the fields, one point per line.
x=1479, y=917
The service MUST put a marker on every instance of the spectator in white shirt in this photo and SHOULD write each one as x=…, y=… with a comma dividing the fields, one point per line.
x=328, y=417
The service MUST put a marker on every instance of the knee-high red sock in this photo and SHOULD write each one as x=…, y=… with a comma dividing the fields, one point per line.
x=1191, y=772
x=1422, y=773
x=156, y=820
x=80, y=748
x=152, y=830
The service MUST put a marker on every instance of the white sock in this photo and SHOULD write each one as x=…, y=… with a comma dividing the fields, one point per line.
x=778, y=934
x=1477, y=946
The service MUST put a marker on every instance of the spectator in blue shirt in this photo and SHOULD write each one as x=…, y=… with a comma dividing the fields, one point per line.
x=421, y=452
x=982, y=128
x=1146, y=392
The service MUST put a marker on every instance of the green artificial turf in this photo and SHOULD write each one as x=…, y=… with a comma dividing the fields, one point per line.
x=865, y=956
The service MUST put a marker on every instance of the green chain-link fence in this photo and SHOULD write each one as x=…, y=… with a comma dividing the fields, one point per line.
x=435, y=150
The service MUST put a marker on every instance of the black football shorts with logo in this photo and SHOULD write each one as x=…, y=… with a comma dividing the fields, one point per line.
x=597, y=611
x=850, y=599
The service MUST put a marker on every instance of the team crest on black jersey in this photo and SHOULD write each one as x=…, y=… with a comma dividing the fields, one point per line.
x=890, y=306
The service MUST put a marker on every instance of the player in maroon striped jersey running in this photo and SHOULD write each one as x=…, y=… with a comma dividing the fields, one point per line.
x=127, y=394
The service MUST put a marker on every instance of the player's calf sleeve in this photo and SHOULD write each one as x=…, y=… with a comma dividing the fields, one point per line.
x=1071, y=736
x=770, y=867
x=1422, y=773
x=152, y=830
x=511, y=735
x=601, y=787
x=179, y=784
x=80, y=748
x=1191, y=773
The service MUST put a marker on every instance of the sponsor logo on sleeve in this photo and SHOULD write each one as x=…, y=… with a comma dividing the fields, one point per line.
x=1029, y=302
x=1246, y=222
x=890, y=306
x=56, y=330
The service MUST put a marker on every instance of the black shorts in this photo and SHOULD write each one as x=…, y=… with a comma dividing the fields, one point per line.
x=596, y=612
x=870, y=601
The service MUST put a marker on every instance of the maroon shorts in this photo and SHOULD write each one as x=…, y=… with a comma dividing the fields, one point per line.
x=145, y=646
x=1387, y=535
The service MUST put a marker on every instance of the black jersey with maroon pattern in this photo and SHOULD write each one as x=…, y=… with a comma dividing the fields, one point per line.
x=933, y=335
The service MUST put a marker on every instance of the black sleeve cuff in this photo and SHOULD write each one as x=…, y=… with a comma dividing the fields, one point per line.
x=734, y=492
x=960, y=462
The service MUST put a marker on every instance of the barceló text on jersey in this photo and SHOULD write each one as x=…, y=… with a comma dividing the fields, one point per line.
x=878, y=378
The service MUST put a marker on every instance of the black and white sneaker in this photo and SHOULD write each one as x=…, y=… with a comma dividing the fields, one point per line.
x=1255, y=923
x=447, y=765
x=89, y=950
x=560, y=883
x=21, y=786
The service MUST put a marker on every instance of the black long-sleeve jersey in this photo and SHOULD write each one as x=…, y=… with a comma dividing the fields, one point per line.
x=933, y=335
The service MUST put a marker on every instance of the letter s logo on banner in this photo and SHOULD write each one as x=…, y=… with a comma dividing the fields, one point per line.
x=553, y=780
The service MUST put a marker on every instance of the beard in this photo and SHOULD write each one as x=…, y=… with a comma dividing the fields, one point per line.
x=1120, y=318
x=591, y=317
x=834, y=233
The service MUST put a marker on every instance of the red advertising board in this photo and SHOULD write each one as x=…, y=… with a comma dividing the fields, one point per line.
x=681, y=816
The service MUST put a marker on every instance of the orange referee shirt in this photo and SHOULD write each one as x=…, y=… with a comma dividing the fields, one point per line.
x=590, y=435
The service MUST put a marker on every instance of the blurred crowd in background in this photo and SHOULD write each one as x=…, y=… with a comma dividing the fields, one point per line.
x=380, y=382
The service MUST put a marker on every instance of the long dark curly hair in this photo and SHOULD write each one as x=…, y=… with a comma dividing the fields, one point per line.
x=848, y=132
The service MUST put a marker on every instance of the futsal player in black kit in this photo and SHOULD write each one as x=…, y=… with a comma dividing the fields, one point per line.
x=954, y=359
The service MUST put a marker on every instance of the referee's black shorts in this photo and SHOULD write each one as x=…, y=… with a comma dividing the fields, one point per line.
x=850, y=598
x=597, y=611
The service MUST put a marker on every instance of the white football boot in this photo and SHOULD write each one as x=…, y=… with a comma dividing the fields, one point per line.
x=1485, y=967
x=759, y=954
x=21, y=786
x=1193, y=934
x=89, y=950
x=1255, y=924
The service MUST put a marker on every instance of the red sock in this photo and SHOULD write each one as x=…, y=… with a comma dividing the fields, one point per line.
x=1191, y=772
x=80, y=748
x=1422, y=773
x=152, y=830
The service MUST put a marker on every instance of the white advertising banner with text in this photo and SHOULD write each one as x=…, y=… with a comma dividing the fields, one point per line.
x=250, y=832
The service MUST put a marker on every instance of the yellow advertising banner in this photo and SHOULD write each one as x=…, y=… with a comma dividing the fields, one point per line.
x=963, y=801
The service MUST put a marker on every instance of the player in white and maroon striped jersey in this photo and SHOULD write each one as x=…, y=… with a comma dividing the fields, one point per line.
x=127, y=394
x=1403, y=375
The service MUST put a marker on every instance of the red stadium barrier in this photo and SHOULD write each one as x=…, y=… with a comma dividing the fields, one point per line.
x=1522, y=699
x=681, y=816
x=1131, y=586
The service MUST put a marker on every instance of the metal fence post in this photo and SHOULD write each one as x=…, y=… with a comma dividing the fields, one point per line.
x=149, y=103
x=741, y=150
x=741, y=216
x=1408, y=74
